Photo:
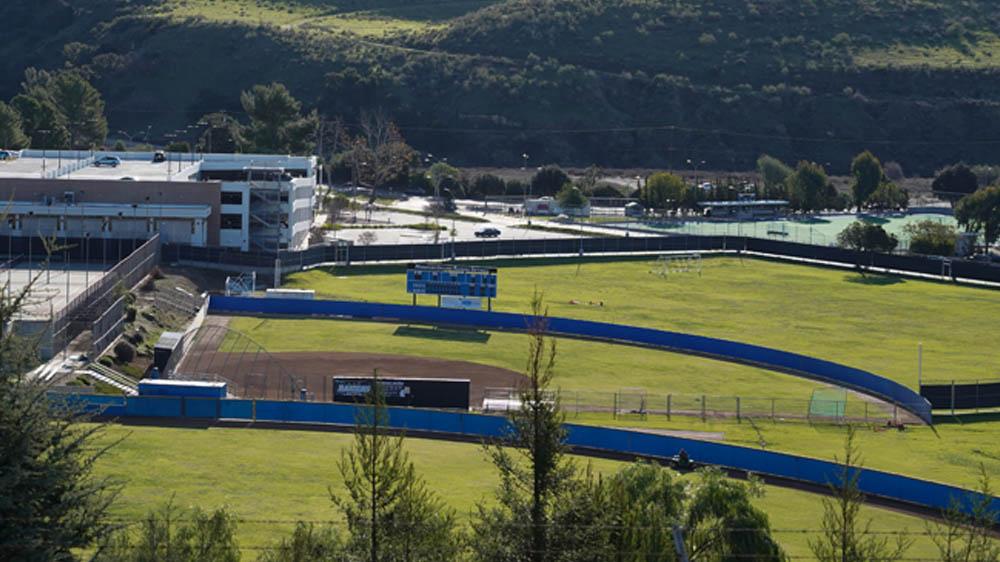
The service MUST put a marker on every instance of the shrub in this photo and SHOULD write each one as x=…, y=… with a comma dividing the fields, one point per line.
x=124, y=353
x=931, y=238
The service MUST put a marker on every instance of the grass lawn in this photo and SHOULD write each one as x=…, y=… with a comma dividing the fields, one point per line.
x=283, y=476
x=872, y=323
x=949, y=453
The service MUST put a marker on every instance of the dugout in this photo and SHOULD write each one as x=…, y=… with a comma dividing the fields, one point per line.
x=168, y=344
x=414, y=392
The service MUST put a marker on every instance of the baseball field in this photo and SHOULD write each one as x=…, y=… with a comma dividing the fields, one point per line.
x=867, y=321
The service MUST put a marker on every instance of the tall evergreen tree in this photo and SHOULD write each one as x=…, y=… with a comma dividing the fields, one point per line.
x=518, y=526
x=11, y=132
x=391, y=515
x=966, y=535
x=51, y=503
x=846, y=536
x=42, y=122
x=276, y=122
x=82, y=108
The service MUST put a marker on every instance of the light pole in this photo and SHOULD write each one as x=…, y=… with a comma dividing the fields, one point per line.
x=86, y=260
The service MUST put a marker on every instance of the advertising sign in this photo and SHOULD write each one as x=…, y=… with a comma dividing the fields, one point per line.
x=465, y=303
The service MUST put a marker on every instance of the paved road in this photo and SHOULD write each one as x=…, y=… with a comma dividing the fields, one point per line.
x=511, y=227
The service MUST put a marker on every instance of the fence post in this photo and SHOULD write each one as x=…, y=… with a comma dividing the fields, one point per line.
x=772, y=410
x=669, y=397
x=253, y=410
x=614, y=408
x=866, y=412
x=738, y=419
x=703, y=418
x=977, y=396
x=952, y=397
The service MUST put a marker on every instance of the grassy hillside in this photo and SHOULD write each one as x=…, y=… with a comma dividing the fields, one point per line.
x=612, y=82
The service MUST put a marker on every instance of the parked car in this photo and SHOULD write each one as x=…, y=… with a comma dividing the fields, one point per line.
x=6, y=155
x=159, y=156
x=488, y=232
x=126, y=178
x=112, y=161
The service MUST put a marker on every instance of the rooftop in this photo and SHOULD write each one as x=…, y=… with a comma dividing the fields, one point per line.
x=138, y=166
x=746, y=203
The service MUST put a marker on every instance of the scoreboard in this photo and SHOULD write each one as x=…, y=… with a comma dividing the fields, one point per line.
x=451, y=280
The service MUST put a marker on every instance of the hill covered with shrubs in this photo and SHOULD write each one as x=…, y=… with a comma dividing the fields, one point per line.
x=609, y=82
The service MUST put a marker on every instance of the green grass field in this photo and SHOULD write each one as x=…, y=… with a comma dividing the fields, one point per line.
x=272, y=478
x=873, y=323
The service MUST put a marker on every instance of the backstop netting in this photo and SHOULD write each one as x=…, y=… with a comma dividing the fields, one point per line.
x=828, y=403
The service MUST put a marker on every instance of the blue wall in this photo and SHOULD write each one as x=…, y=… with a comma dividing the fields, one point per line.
x=814, y=471
x=763, y=357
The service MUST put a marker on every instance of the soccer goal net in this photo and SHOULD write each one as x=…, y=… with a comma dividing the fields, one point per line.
x=672, y=264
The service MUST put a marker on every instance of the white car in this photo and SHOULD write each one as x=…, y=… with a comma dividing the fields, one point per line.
x=112, y=161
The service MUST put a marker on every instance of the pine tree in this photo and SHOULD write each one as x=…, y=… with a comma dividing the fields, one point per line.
x=50, y=501
x=845, y=536
x=517, y=528
x=390, y=513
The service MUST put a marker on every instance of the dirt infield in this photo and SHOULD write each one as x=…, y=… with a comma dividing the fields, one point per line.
x=280, y=375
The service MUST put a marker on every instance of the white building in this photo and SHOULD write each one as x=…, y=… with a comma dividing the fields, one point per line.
x=241, y=201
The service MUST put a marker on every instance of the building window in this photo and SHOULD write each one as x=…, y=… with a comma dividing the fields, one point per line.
x=106, y=224
x=60, y=223
x=231, y=221
x=152, y=225
x=14, y=222
x=232, y=197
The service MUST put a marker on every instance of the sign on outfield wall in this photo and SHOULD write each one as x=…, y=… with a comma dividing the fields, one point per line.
x=417, y=392
x=465, y=303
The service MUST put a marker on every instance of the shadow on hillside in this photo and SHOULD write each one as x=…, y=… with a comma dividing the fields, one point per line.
x=470, y=336
x=874, y=280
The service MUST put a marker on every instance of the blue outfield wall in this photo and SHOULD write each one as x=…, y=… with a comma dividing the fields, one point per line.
x=726, y=350
x=479, y=426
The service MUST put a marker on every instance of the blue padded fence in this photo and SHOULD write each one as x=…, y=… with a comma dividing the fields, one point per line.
x=763, y=357
x=479, y=426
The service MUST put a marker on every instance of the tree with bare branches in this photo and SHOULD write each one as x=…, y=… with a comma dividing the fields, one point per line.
x=378, y=153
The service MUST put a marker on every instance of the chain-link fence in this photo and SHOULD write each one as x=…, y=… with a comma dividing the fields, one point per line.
x=633, y=403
